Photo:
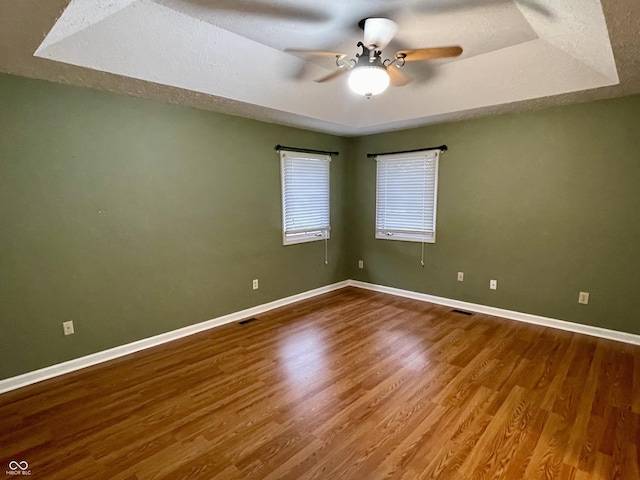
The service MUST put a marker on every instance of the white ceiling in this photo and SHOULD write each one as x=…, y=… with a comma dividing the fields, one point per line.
x=227, y=55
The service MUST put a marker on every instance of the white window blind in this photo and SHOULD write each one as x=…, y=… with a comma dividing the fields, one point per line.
x=406, y=195
x=305, y=197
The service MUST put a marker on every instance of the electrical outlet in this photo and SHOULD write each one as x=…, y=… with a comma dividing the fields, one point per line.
x=255, y=283
x=461, y=276
x=583, y=298
x=493, y=284
x=360, y=263
x=68, y=328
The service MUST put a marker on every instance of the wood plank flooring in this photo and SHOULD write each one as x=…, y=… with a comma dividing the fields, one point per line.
x=348, y=385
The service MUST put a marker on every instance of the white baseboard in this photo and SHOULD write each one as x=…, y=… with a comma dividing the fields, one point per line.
x=29, y=378
x=510, y=314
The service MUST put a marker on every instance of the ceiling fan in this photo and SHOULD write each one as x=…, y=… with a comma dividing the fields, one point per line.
x=370, y=74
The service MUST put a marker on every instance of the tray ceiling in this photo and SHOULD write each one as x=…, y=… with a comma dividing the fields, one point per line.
x=229, y=55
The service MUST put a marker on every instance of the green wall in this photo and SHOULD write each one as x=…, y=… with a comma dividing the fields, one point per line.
x=134, y=218
x=547, y=203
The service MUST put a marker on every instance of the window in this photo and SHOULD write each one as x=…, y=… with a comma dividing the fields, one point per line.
x=305, y=197
x=406, y=194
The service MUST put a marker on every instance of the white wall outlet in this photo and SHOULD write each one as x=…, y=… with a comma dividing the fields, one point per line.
x=360, y=263
x=493, y=284
x=461, y=276
x=583, y=298
x=255, y=283
x=68, y=327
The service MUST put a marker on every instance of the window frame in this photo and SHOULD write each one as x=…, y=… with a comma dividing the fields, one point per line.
x=381, y=218
x=320, y=232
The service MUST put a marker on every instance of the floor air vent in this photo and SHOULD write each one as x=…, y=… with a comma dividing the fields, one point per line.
x=455, y=310
x=247, y=320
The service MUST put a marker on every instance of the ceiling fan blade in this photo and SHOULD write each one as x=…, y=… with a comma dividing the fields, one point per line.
x=266, y=9
x=321, y=53
x=535, y=7
x=379, y=32
x=417, y=54
x=454, y=6
x=397, y=77
x=332, y=75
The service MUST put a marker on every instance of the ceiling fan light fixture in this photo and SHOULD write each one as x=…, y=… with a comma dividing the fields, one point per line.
x=368, y=80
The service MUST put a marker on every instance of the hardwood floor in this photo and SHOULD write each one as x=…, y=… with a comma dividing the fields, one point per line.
x=348, y=385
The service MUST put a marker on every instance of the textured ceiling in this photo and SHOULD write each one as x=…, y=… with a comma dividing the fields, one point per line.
x=227, y=55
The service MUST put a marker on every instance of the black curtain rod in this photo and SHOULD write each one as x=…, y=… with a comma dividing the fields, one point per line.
x=442, y=148
x=305, y=150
